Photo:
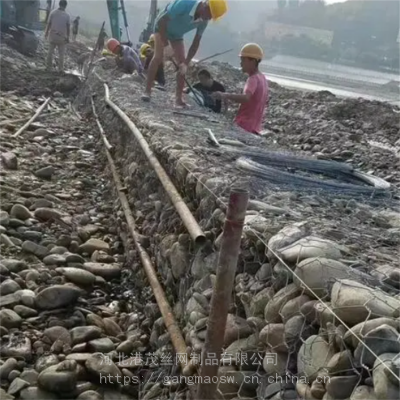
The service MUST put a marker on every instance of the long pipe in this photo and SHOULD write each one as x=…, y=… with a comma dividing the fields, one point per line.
x=222, y=294
x=191, y=224
x=38, y=111
x=166, y=311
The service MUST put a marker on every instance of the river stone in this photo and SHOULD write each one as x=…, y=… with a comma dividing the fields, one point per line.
x=10, y=319
x=259, y=302
x=57, y=296
x=17, y=385
x=272, y=335
x=98, y=366
x=90, y=395
x=393, y=373
x=8, y=365
x=19, y=347
x=287, y=236
x=313, y=355
x=293, y=306
x=363, y=393
x=339, y=363
x=14, y=266
x=60, y=378
x=341, y=387
x=78, y=276
x=34, y=248
x=383, y=387
x=310, y=247
x=30, y=375
x=35, y=393
x=9, y=286
x=318, y=274
x=81, y=334
x=47, y=214
x=106, y=271
x=361, y=329
x=274, y=306
x=111, y=327
x=91, y=245
x=25, y=312
x=179, y=259
x=9, y=160
x=275, y=365
x=45, y=172
x=383, y=339
x=54, y=259
x=236, y=328
x=102, y=345
x=248, y=345
x=20, y=212
x=57, y=333
x=354, y=302
x=46, y=361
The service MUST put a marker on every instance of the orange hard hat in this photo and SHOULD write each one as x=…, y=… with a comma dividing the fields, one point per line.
x=112, y=44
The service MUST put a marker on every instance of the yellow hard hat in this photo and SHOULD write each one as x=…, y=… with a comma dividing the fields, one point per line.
x=217, y=8
x=143, y=49
x=252, y=50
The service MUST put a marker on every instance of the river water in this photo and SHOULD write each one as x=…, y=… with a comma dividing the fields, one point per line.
x=303, y=84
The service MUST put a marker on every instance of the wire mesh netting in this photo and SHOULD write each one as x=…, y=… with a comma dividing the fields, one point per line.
x=309, y=315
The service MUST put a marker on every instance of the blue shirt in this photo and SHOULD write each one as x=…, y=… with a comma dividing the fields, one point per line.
x=180, y=15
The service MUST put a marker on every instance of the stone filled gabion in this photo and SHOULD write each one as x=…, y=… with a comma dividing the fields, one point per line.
x=315, y=279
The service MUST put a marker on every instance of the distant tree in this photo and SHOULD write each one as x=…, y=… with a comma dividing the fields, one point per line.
x=294, y=3
x=281, y=4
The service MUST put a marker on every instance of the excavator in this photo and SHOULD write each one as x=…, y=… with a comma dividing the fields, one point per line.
x=21, y=19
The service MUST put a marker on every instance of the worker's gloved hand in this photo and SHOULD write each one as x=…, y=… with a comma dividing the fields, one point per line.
x=182, y=69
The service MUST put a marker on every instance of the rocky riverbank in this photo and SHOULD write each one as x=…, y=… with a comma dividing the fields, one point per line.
x=316, y=274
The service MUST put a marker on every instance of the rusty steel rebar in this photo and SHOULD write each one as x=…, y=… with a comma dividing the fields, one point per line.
x=187, y=218
x=166, y=310
x=222, y=294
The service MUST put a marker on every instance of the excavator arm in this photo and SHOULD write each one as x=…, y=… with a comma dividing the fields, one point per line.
x=113, y=11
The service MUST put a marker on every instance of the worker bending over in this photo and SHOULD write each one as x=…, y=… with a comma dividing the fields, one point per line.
x=58, y=33
x=207, y=86
x=255, y=94
x=178, y=18
x=146, y=55
x=75, y=28
x=127, y=59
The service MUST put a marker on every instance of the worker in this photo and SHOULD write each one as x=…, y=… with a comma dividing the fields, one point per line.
x=127, y=58
x=206, y=86
x=75, y=28
x=145, y=46
x=146, y=55
x=58, y=33
x=178, y=18
x=48, y=9
x=255, y=94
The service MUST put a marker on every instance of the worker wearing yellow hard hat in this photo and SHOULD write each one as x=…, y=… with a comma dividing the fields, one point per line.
x=254, y=98
x=174, y=21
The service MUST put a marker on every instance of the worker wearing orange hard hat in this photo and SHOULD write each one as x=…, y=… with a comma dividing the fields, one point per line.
x=127, y=58
x=178, y=18
x=255, y=94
